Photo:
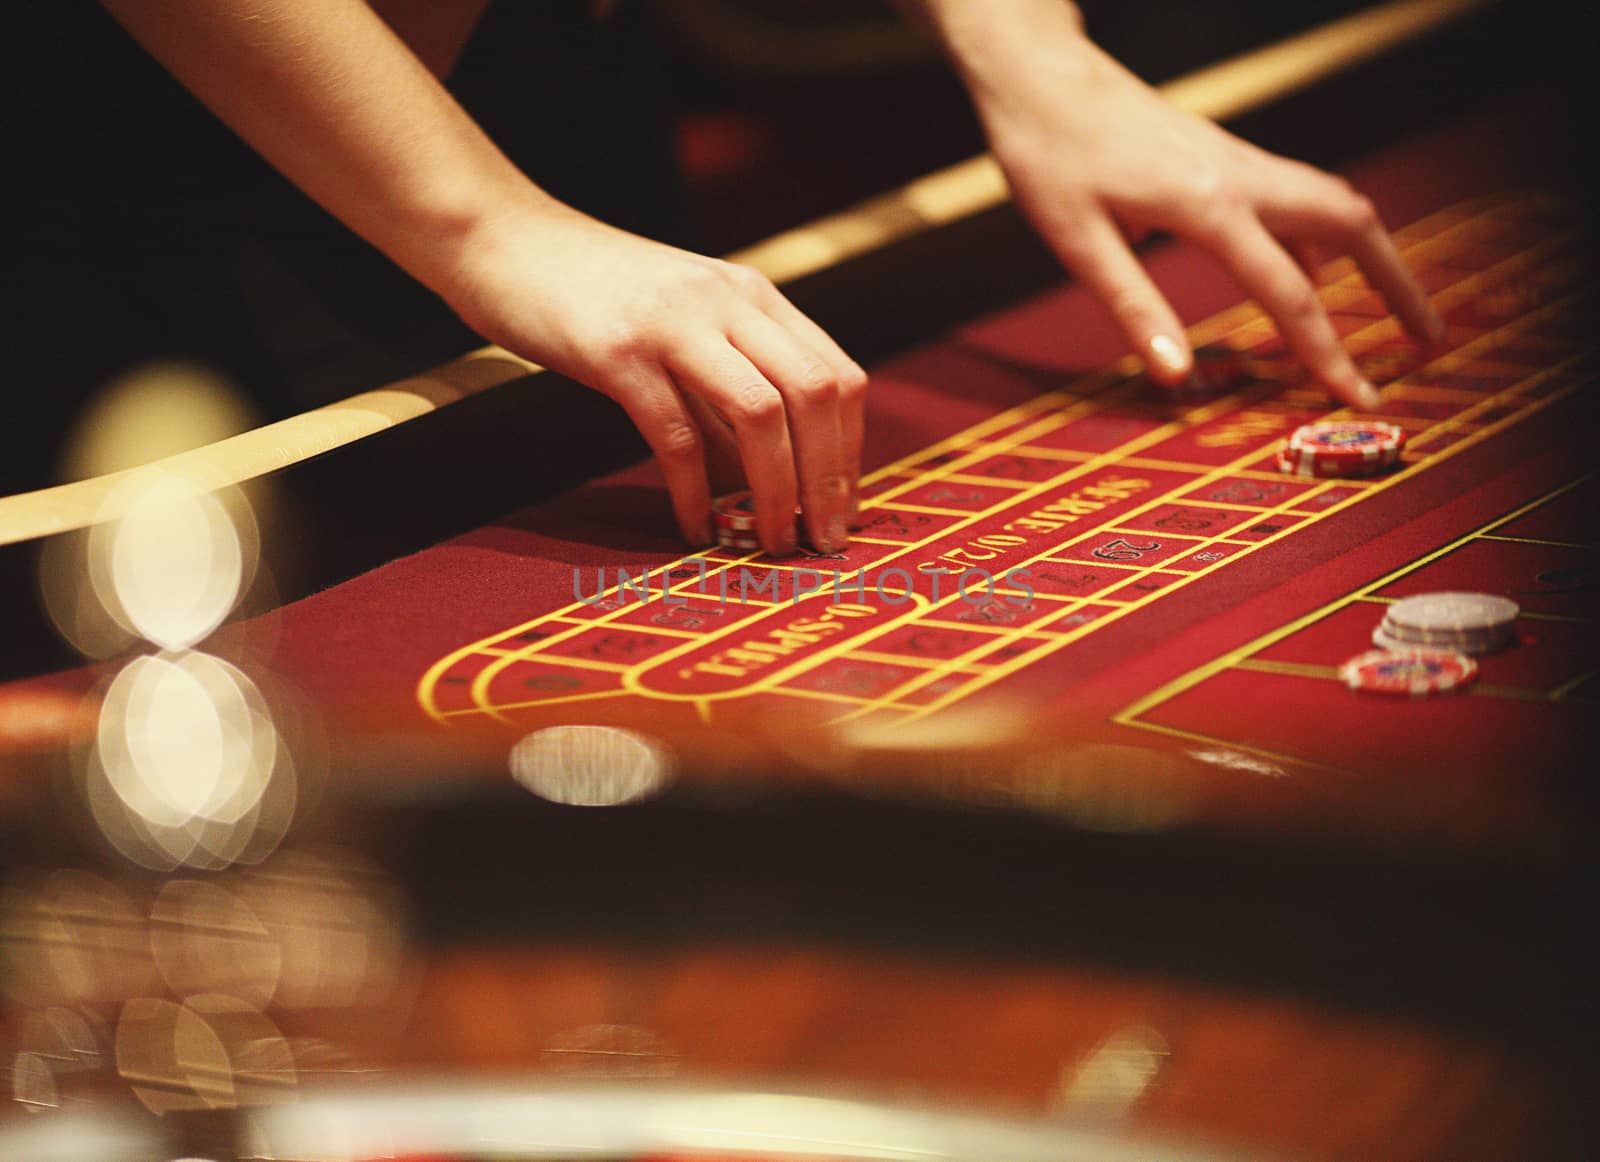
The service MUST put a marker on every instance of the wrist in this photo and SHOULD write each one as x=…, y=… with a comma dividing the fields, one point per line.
x=1007, y=52
x=452, y=234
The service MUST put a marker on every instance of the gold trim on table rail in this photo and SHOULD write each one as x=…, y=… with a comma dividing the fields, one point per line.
x=1220, y=91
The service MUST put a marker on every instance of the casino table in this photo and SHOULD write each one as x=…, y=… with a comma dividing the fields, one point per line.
x=1096, y=808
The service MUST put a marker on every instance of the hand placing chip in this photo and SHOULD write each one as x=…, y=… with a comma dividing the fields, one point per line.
x=1097, y=158
x=701, y=354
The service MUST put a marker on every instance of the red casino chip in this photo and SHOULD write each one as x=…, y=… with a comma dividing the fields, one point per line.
x=1344, y=440
x=1414, y=672
x=735, y=511
x=1292, y=467
x=1342, y=448
x=734, y=518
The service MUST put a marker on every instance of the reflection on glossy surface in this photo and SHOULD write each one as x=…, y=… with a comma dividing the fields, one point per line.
x=175, y=994
x=83, y=1136
x=531, y=1119
x=33, y=1084
x=591, y=766
x=610, y=1051
x=336, y=925
x=960, y=729
x=209, y=1052
x=1109, y=1080
x=1104, y=787
x=206, y=938
x=56, y=1047
x=71, y=938
x=1238, y=760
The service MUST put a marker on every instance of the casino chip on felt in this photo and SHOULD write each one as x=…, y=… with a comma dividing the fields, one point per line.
x=734, y=518
x=1465, y=623
x=1414, y=672
x=1346, y=449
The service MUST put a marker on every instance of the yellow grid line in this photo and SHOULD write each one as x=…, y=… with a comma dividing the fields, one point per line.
x=1225, y=470
x=1058, y=408
x=1539, y=541
x=1241, y=657
x=1559, y=694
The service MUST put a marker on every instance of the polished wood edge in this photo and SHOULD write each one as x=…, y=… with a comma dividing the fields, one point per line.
x=1227, y=89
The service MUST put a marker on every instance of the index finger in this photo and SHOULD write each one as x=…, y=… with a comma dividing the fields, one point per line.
x=725, y=378
x=1270, y=276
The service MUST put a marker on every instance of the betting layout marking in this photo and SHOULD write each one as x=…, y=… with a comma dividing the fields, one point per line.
x=1108, y=496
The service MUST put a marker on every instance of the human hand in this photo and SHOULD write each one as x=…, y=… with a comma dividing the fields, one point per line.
x=708, y=358
x=1097, y=159
x=701, y=354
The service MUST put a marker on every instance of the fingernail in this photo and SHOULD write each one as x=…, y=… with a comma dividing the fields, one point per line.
x=1435, y=326
x=1368, y=396
x=838, y=534
x=1169, y=355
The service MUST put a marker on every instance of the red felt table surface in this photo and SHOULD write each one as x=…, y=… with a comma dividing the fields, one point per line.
x=1196, y=601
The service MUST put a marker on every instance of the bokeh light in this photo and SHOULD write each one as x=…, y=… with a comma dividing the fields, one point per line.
x=173, y=561
x=1109, y=1080
x=188, y=768
x=337, y=926
x=152, y=411
x=72, y=938
x=207, y=939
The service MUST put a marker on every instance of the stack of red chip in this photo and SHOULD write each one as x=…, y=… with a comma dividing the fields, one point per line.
x=1342, y=448
x=734, y=517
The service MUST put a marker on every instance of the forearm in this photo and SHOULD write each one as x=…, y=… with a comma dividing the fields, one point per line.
x=327, y=93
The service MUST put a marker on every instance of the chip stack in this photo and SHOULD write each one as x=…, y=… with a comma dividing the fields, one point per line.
x=734, y=517
x=1465, y=623
x=1416, y=673
x=1347, y=449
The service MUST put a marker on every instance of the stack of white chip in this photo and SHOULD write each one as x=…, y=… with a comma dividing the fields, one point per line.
x=1464, y=623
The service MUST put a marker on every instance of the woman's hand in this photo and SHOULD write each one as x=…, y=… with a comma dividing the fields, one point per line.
x=708, y=359
x=700, y=353
x=1097, y=159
